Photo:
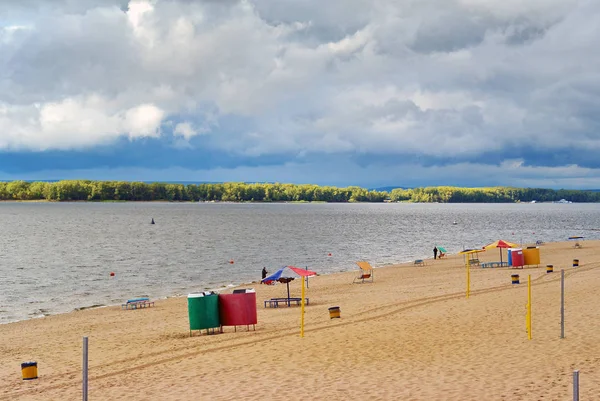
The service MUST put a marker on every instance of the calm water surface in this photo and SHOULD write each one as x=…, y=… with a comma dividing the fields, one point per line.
x=58, y=256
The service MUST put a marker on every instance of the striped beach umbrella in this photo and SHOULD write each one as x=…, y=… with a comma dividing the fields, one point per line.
x=287, y=274
x=501, y=244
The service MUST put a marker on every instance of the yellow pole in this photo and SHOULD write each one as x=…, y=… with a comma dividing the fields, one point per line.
x=302, y=310
x=529, y=306
x=468, y=275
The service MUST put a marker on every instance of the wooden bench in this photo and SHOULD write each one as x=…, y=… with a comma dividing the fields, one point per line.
x=419, y=262
x=274, y=302
x=494, y=264
x=474, y=262
x=137, y=303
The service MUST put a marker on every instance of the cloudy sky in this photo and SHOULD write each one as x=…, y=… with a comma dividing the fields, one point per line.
x=341, y=92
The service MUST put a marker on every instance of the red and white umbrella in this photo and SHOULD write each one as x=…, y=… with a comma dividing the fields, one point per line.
x=287, y=274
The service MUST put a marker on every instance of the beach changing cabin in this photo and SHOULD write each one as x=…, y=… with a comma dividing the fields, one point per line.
x=531, y=256
x=515, y=257
x=203, y=311
x=238, y=309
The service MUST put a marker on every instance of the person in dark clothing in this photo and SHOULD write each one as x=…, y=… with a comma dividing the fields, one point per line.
x=264, y=273
x=435, y=251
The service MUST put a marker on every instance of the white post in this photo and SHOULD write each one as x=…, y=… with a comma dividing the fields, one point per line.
x=85, y=369
x=562, y=303
x=306, y=268
x=575, y=385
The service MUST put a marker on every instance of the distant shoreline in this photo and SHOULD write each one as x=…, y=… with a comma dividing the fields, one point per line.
x=167, y=201
x=269, y=202
x=118, y=191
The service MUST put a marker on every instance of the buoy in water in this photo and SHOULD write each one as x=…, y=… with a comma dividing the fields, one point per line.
x=112, y=274
x=152, y=222
x=329, y=254
x=231, y=262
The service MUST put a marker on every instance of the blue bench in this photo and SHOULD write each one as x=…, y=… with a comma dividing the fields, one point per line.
x=419, y=262
x=137, y=303
x=274, y=302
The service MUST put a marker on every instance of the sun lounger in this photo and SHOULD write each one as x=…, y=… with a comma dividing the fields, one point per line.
x=365, y=273
x=137, y=303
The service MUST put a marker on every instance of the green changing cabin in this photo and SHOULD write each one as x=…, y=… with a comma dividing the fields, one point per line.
x=203, y=311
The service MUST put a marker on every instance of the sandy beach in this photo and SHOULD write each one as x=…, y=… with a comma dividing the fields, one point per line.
x=410, y=335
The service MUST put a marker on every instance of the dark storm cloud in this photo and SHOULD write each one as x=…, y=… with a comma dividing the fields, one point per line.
x=434, y=83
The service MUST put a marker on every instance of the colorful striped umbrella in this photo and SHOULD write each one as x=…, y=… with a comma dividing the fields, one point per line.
x=287, y=274
x=501, y=244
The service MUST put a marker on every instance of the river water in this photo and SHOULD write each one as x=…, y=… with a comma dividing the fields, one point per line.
x=57, y=257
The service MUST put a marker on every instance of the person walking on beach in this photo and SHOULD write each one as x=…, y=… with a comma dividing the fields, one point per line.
x=264, y=273
x=435, y=250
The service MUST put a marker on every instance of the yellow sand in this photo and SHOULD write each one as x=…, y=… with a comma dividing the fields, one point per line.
x=410, y=335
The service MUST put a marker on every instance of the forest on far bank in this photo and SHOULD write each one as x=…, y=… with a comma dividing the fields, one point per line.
x=87, y=190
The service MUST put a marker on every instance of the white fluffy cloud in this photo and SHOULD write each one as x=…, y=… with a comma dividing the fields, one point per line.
x=75, y=122
x=429, y=77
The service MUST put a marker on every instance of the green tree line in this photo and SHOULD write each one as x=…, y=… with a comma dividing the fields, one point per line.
x=86, y=190
x=491, y=195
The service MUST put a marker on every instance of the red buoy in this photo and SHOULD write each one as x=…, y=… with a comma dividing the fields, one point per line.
x=231, y=262
x=112, y=274
x=329, y=254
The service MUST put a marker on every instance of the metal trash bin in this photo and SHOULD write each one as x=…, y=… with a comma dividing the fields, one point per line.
x=334, y=312
x=29, y=370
